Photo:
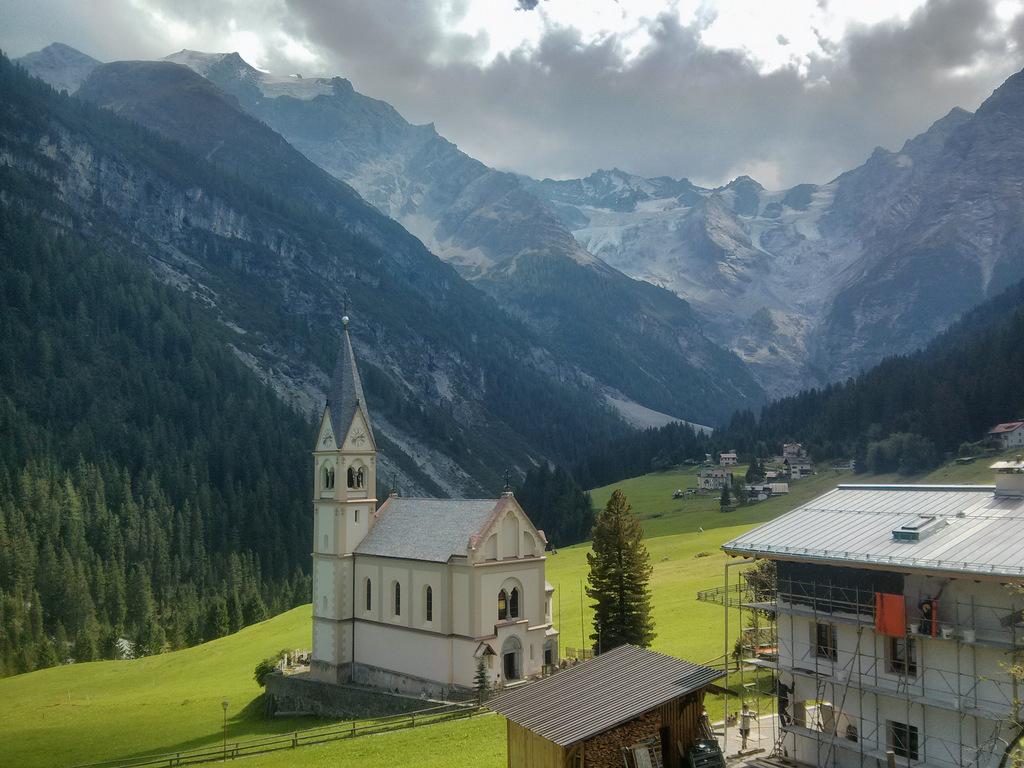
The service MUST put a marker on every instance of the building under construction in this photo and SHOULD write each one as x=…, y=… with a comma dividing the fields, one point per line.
x=892, y=625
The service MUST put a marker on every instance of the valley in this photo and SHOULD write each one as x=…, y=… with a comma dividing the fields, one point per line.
x=81, y=713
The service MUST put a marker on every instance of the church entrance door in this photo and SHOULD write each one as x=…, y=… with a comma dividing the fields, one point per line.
x=511, y=655
x=511, y=673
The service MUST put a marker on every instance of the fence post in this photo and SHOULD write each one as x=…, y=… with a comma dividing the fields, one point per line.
x=295, y=740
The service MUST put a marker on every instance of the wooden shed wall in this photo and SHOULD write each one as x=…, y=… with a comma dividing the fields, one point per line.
x=682, y=719
x=528, y=750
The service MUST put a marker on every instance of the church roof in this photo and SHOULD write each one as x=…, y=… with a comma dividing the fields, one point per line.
x=426, y=529
x=345, y=394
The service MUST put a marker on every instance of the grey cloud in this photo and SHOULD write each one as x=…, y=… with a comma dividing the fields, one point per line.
x=526, y=5
x=569, y=106
x=679, y=108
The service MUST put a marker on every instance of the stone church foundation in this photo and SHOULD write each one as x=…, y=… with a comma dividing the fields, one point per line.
x=301, y=694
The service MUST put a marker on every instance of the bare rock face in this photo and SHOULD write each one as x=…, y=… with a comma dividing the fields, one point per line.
x=637, y=342
x=874, y=263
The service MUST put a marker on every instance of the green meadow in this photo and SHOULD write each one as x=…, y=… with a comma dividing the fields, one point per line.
x=82, y=713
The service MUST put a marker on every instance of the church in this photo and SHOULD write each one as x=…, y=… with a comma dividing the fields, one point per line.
x=411, y=596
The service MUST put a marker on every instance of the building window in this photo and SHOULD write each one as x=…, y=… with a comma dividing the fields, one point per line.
x=327, y=477
x=901, y=656
x=398, y=599
x=502, y=605
x=428, y=604
x=325, y=542
x=356, y=477
x=902, y=739
x=369, y=595
x=357, y=514
x=513, y=604
x=825, y=641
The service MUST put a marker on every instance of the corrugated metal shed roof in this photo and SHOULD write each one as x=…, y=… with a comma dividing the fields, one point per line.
x=426, y=529
x=601, y=693
x=983, y=531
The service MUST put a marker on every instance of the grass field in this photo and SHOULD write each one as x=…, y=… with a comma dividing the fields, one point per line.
x=88, y=712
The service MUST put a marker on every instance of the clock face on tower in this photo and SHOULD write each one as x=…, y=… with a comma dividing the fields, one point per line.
x=358, y=436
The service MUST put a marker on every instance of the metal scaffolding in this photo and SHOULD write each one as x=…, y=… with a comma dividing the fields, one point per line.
x=985, y=713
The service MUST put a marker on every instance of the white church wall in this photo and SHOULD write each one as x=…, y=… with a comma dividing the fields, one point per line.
x=419, y=654
x=325, y=531
x=508, y=538
x=491, y=578
x=353, y=525
x=325, y=589
x=461, y=602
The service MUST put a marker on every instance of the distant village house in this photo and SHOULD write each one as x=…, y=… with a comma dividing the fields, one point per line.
x=1009, y=435
x=714, y=479
x=793, y=451
x=799, y=468
x=728, y=459
x=762, y=491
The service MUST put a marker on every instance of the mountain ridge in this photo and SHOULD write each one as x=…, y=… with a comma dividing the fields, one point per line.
x=494, y=231
x=449, y=376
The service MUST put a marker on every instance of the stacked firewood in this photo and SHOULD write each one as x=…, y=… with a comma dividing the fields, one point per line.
x=605, y=749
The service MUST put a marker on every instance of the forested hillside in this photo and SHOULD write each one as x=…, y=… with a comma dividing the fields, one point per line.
x=900, y=416
x=276, y=247
x=151, y=487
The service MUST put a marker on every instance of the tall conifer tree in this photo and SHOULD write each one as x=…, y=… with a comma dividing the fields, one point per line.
x=620, y=572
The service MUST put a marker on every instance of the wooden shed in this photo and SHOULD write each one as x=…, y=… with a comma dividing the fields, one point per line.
x=627, y=707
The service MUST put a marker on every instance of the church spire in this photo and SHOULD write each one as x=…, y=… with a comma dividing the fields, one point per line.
x=345, y=394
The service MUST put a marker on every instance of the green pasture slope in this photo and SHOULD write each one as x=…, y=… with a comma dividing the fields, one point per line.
x=87, y=712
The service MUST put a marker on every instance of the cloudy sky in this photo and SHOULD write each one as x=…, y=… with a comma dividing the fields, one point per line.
x=786, y=91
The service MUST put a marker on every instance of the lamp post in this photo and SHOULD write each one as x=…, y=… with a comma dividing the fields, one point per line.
x=224, y=706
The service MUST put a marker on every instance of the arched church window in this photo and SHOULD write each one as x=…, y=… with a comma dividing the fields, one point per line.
x=359, y=478
x=513, y=604
x=330, y=477
x=369, y=595
x=351, y=477
x=428, y=604
x=398, y=599
x=502, y=605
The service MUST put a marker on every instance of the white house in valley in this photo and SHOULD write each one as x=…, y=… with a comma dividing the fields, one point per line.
x=1009, y=434
x=409, y=597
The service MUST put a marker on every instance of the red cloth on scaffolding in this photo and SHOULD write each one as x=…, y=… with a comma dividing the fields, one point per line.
x=890, y=615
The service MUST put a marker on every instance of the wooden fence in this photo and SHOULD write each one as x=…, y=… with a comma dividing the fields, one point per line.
x=299, y=738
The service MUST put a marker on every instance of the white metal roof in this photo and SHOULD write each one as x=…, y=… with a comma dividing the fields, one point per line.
x=983, y=532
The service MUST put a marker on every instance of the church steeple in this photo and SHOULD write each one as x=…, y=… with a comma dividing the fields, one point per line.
x=344, y=500
x=345, y=394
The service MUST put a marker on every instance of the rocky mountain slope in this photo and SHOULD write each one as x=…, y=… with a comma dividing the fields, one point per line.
x=814, y=283
x=643, y=345
x=243, y=223
x=62, y=66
